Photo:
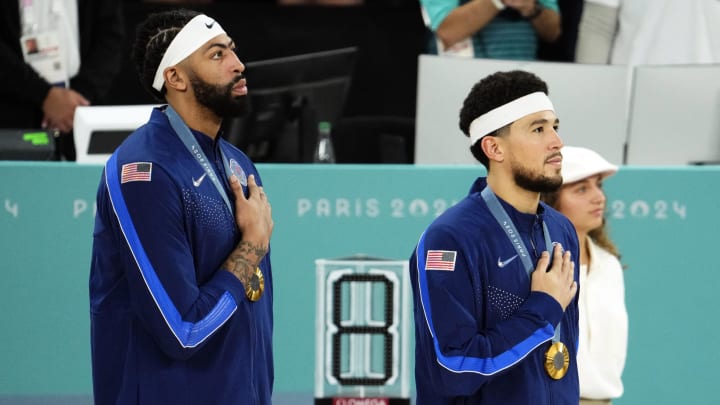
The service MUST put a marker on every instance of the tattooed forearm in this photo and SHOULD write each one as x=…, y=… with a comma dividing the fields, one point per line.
x=244, y=259
x=248, y=248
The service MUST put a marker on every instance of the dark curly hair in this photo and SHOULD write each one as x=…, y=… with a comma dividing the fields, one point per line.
x=152, y=38
x=491, y=92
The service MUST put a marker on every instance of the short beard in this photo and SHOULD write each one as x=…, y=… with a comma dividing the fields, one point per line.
x=536, y=183
x=219, y=98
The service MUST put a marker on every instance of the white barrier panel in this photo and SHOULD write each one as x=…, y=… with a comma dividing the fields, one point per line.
x=675, y=115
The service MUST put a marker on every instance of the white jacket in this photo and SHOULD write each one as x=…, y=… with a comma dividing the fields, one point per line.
x=603, y=326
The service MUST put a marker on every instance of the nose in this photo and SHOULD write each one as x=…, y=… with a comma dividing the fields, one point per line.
x=238, y=67
x=556, y=141
x=598, y=194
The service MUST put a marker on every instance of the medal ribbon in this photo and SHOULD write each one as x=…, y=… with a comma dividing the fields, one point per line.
x=182, y=130
x=511, y=232
x=192, y=146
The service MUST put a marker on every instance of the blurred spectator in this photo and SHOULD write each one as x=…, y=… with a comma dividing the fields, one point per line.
x=77, y=55
x=597, y=31
x=603, y=316
x=654, y=32
x=563, y=49
x=497, y=29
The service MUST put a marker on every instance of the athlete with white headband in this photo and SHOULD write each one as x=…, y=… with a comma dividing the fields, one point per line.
x=494, y=277
x=181, y=282
x=508, y=113
x=192, y=36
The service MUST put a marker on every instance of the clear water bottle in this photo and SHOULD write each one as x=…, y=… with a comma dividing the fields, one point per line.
x=324, y=152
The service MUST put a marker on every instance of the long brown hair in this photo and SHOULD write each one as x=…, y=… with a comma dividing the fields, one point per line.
x=600, y=235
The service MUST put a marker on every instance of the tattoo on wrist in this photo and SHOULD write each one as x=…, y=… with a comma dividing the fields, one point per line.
x=244, y=259
x=256, y=250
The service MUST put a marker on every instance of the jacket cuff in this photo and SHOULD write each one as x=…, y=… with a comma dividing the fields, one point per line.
x=225, y=280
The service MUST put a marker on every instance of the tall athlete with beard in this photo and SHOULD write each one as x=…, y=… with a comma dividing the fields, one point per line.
x=181, y=283
x=493, y=278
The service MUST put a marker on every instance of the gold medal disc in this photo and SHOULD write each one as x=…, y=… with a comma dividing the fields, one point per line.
x=255, y=288
x=557, y=360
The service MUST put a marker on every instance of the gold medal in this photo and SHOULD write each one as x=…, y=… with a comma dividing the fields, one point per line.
x=557, y=360
x=256, y=286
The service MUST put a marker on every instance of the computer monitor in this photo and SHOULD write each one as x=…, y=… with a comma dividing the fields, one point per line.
x=100, y=129
x=288, y=96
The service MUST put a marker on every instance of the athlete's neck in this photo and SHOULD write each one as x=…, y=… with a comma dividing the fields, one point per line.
x=523, y=200
x=198, y=117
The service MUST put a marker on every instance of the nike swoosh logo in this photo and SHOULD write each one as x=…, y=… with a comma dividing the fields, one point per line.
x=209, y=26
x=502, y=264
x=199, y=181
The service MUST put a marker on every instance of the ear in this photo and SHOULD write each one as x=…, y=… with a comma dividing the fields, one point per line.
x=492, y=147
x=176, y=79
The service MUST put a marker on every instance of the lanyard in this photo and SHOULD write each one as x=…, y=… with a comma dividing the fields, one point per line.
x=192, y=146
x=507, y=225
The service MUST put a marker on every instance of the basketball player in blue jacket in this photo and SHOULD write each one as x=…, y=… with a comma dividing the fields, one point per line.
x=493, y=277
x=181, y=282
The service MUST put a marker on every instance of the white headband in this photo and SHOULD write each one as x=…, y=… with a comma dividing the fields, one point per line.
x=191, y=37
x=508, y=113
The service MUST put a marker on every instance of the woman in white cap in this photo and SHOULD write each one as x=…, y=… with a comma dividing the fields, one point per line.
x=603, y=316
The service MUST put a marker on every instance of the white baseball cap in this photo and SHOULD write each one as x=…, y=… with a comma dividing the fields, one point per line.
x=580, y=163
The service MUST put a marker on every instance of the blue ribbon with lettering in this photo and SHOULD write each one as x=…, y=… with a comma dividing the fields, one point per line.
x=507, y=225
x=192, y=146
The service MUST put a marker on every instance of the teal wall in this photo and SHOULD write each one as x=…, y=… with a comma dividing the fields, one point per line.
x=665, y=221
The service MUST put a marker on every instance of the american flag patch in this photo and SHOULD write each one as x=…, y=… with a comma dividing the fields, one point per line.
x=440, y=260
x=138, y=171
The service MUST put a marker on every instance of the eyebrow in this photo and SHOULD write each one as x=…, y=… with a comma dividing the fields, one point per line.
x=230, y=44
x=544, y=121
x=593, y=178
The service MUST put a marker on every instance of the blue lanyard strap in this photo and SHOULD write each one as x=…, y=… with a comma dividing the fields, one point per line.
x=503, y=219
x=182, y=130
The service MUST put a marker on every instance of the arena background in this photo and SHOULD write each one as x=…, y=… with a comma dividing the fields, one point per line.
x=664, y=220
